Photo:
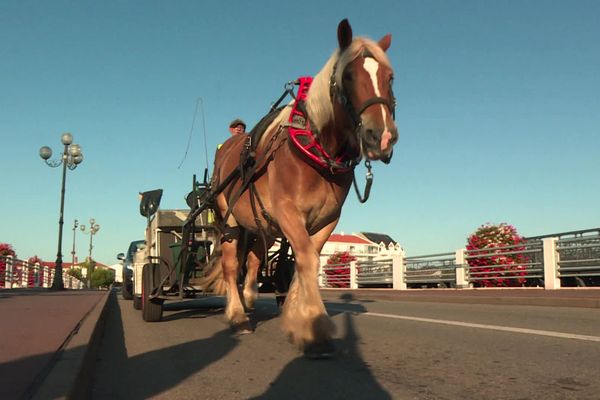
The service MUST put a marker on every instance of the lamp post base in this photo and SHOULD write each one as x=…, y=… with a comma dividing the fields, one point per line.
x=57, y=282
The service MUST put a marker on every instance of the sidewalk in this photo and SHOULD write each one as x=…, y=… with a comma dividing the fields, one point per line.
x=44, y=339
x=580, y=297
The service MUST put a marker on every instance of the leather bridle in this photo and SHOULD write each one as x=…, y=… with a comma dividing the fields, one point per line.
x=337, y=91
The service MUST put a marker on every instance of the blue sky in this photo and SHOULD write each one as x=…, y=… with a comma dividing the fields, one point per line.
x=498, y=110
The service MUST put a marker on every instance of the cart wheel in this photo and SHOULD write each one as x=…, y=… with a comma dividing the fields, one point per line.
x=151, y=308
x=137, y=302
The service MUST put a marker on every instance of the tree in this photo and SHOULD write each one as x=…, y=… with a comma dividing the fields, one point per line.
x=89, y=266
x=500, y=263
x=337, y=269
x=75, y=272
x=102, y=278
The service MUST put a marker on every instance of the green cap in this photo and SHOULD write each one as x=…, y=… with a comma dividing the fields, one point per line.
x=237, y=122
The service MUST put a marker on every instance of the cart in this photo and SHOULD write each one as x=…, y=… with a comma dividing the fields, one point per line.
x=179, y=247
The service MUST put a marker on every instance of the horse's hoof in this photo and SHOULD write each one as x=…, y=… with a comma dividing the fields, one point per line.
x=320, y=351
x=242, y=328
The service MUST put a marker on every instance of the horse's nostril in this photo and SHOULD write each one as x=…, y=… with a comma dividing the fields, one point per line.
x=371, y=135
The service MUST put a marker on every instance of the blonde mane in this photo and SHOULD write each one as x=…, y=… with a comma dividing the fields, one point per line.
x=318, y=104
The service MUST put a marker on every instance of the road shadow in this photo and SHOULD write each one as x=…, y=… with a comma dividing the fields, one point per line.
x=346, y=376
x=347, y=303
x=210, y=306
x=196, y=308
x=16, y=376
x=146, y=375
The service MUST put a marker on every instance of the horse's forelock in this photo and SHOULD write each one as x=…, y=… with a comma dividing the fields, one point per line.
x=357, y=48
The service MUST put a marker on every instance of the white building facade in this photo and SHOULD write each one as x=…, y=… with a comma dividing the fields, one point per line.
x=361, y=245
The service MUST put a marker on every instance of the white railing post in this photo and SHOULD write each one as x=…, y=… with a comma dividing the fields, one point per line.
x=353, y=271
x=46, y=274
x=36, y=275
x=25, y=274
x=551, y=279
x=461, y=276
x=321, y=275
x=8, y=273
x=398, y=272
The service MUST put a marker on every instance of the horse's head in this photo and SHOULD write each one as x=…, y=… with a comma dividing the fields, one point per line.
x=361, y=89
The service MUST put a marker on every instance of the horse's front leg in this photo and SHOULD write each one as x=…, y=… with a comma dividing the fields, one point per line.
x=305, y=319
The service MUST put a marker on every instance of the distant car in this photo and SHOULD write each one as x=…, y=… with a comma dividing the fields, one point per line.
x=127, y=291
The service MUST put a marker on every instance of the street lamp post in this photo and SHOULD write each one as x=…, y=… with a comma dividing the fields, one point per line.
x=75, y=225
x=71, y=157
x=92, y=230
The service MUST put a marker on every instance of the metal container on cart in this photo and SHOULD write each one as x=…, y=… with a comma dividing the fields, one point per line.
x=161, y=277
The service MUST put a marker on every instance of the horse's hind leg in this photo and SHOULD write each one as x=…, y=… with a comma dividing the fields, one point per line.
x=256, y=255
x=254, y=259
x=234, y=311
x=230, y=263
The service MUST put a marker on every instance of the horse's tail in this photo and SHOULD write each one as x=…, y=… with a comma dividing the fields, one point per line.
x=213, y=279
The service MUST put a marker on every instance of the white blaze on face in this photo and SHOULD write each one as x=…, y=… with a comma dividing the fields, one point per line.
x=372, y=66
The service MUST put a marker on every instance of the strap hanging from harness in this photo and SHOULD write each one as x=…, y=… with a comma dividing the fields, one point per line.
x=369, y=178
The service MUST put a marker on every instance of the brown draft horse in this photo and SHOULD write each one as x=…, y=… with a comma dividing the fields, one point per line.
x=350, y=107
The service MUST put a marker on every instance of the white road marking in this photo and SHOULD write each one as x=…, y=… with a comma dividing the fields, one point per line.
x=538, y=332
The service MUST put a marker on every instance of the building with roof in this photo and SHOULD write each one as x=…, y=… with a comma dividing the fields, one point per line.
x=362, y=245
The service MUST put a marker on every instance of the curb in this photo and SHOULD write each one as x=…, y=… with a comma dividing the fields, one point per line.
x=72, y=370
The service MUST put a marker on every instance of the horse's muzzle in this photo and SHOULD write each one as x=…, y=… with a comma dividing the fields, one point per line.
x=378, y=143
x=387, y=158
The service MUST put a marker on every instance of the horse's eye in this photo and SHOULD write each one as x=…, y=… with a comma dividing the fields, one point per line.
x=347, y=76
x=391, y=81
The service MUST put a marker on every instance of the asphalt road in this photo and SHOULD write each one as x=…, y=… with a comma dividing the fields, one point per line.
x=387, y=350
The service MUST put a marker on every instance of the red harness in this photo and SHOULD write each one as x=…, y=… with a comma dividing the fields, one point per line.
x=305, y=141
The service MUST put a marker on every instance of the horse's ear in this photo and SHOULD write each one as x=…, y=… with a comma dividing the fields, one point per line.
x=344, y=34
x=385, y=42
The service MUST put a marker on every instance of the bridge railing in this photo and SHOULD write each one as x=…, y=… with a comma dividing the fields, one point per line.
x=16, y=273
x=336, y=275
x=511, y=265
x=431, y=271
x=380, y=272
x=578, y=260
x=563, y=260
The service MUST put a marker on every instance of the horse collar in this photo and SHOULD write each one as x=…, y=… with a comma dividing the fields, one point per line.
x=306, y=141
